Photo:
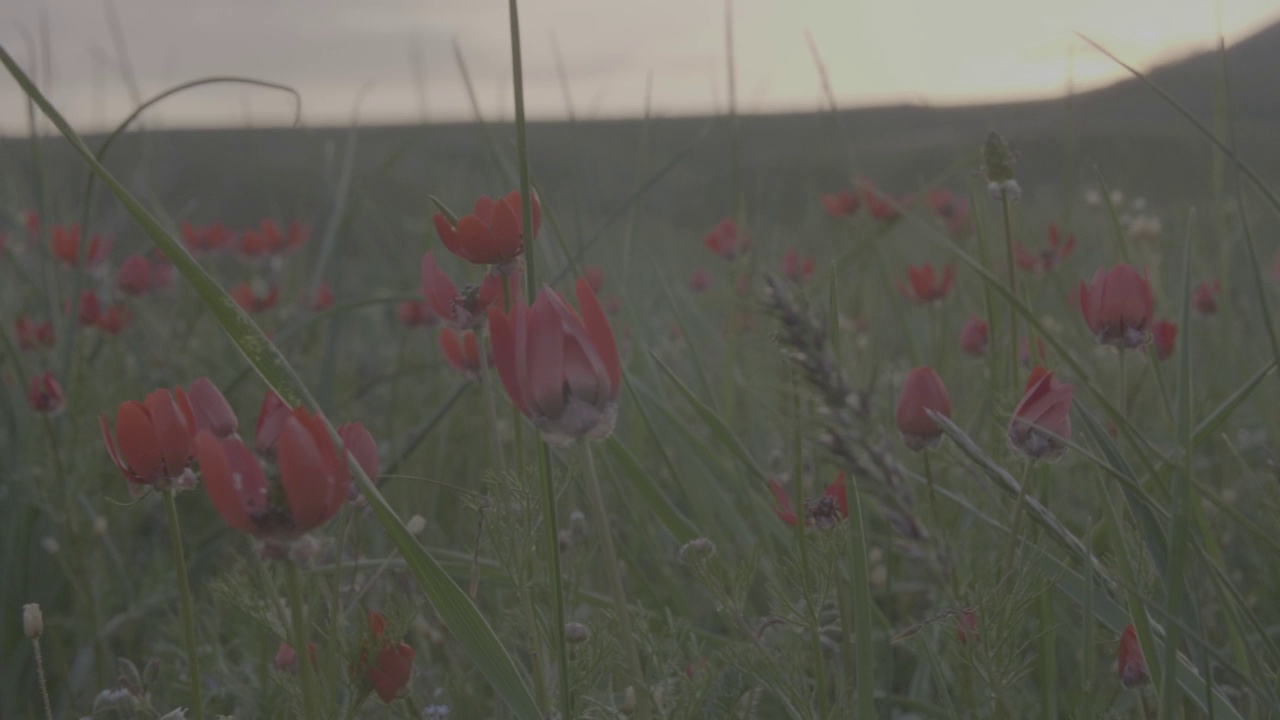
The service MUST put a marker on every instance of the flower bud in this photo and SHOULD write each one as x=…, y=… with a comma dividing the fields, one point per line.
x=32, y=620
x=576, y=633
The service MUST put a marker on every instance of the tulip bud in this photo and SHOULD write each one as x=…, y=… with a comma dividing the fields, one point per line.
x=32, y=621
x=923, y=391
x=576, y=633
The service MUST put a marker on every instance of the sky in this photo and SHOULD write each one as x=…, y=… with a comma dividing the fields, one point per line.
x=395, y=60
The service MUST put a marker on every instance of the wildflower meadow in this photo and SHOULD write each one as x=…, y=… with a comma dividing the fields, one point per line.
x=956, y=448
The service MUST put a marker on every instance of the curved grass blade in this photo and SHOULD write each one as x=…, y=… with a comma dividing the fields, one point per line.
x=465, y=622
x=718, y=427
x=670, y=517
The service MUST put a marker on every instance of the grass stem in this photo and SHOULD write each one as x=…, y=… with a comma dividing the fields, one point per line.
x=184, y=592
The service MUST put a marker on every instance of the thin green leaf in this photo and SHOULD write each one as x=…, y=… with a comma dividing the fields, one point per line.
x=670, y=517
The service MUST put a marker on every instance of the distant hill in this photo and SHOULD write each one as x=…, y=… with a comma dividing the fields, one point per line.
x=1124, y=130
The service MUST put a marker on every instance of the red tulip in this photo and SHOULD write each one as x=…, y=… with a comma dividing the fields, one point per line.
x=271, y=417
x=210, y=409
x=1164, y=334
x=925, y=286
x=33, y=335
x=1131, y=665
x=727, y=240
x=66, y=246
x=922, y=391
x=493, y=234
x=90, y=310
x=1205, y=297
x=1117, y=306
x=1049, y=257
x=464, y=310
x=973, y=337
x=162, y=272
x=134, y=277
x=389, y=671
x=415, y=313
x=269, y=239
x=1041, y=424
x=842, y=204
x=44, y=394
x=248, y=298
x=287, y=659
x=951, y=209
x=307, y=489
x=879, y=204
x=797, y=269
x=822, y=512
x=463, y=354
x=152, y=444
x=113, y=319
x=207, y=238
x=32, y=219
x=561, y=369
x=699, y=281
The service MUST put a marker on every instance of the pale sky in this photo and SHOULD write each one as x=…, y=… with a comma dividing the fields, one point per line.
x=876, y=52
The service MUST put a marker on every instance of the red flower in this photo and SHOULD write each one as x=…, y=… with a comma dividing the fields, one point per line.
x=727, y=240
x=1164, y=334
x=152, y=444
x=113, y=319
x=44, y=394
x=33, y=335
x=415, y=313
x=162, y=272
x=33, y=222
x=1131, y=665
x=1117, y=306
x=248, y=298
x=881, y=205
x=391, y=669
x=134, y=277
x=322, y=298
x=1041, y=424
x=206, y=238
x=822, y=512
x=287, y=659
x=967, y=625
x=463, y=354
x=922, y=391
x=90, y=310
x=464, y=310
x=797, y=269
x=842, y=204
x=269, y=239
x=594, y=277
x=210, y=409
x=973, y=337
x=1049, y=257
x=66, y=246
x=925, y=286
x=699, y=281
x=1205, y=297
x=561, y=369
x=952, y=209
x=309, y=485
x=493, y=234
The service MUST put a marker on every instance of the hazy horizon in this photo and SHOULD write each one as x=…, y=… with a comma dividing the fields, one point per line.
x=398, y=55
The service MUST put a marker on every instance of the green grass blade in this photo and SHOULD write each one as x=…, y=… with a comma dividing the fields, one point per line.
x=719, y=428
x=465, y=621
x=670, y=517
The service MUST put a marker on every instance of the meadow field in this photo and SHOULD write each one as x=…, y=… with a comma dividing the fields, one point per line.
x=901, y=412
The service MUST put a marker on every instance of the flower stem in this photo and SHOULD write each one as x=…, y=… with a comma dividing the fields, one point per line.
x=620, y=607
x=298, y=616
x=184, y=590
x=491, y=409
x=1013, y=313
x=819, y=662
x=44, y=686
x=552, y=540
x=522, y=149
